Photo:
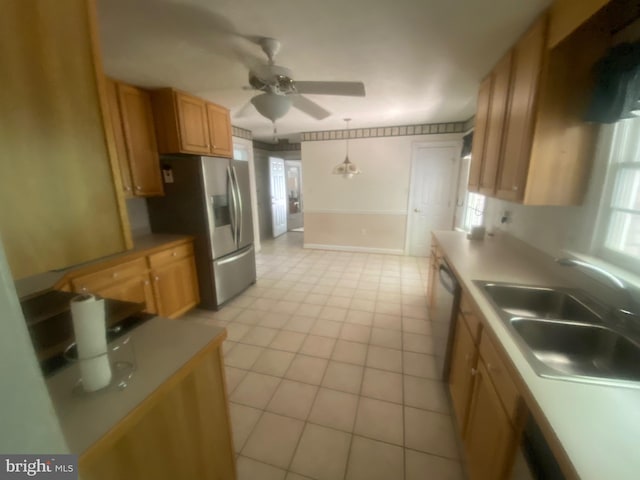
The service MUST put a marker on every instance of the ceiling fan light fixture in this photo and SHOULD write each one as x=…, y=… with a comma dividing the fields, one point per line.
x=347, y=168
x=272, y=106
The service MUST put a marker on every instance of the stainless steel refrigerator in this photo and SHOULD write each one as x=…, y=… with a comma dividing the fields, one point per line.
x=208, y=197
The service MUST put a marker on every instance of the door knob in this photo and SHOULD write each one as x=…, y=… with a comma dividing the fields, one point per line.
x=417, y=210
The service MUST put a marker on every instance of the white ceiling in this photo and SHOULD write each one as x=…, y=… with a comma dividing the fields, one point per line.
x=421, y=60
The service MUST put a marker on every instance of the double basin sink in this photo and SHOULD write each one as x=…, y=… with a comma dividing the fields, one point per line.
x=564, y=334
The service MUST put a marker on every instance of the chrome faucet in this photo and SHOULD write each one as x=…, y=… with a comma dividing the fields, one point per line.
x=631, y=306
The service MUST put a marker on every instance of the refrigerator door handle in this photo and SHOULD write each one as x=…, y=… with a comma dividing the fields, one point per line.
x=235, y=257
x=232, y=207
x=240, y=205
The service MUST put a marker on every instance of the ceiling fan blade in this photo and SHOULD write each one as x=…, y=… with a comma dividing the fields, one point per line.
x=245, y=110
x=310, y=108
x=351, y=89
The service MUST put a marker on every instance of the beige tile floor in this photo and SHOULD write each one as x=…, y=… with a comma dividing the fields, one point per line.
x=329, y=373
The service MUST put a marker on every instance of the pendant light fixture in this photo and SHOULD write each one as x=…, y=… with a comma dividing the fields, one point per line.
x=346, y=168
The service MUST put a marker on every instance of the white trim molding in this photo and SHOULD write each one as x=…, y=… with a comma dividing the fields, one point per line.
x=352, y=248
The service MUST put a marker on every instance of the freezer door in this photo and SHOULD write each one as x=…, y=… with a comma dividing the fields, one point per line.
x=240, y=170
x=222, y=208
x=234, y=273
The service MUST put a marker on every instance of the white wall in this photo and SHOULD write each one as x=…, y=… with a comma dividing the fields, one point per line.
x=28, y=422
x=138, y=216
x=370, y=210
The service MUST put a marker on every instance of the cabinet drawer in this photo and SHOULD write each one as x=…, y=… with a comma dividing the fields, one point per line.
x=500, y=376
x=104, y=278
x=472, y=320
x=167, y=256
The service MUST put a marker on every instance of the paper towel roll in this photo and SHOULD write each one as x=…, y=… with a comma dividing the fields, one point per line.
x=87, y=314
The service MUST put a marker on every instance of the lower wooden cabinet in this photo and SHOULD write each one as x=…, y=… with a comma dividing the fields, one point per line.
x=135, y=289
x=176, y=287
x=181, y=431
x=165, y=280
x=484, y=400
x=463, y=360
x=489, y=438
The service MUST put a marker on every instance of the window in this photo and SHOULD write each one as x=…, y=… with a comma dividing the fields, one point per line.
x=620, y=239
x=474, y=211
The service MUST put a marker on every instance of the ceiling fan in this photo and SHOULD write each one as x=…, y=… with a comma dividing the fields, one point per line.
x=280, y=92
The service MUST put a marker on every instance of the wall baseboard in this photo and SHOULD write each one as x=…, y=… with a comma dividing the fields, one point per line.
x=350, y=248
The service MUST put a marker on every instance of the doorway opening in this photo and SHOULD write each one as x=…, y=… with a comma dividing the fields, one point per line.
x=278, y=190
x=295, y=218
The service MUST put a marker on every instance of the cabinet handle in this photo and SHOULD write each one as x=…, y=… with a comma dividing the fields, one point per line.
x=156, y=278
x=146, y=282
x=84, y=289
x=115, y=275
x=127, y=189
x=173, y=254
x=138, y=187
x=473, y=372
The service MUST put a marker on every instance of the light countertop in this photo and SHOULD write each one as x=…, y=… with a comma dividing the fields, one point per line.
x=44, y=281
x=598, y=426
x=161, y=347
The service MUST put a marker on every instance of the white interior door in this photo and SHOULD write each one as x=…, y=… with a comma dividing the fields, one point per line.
x=278, y=196
x=433, y=194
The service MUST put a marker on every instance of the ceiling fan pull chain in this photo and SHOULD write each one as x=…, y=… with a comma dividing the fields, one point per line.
x=275, y=132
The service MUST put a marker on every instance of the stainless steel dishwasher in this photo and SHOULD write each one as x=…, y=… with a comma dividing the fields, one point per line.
x=447, y=300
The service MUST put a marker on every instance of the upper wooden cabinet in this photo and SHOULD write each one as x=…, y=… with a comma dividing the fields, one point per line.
x=188, y=124
x=527, y=60
x=60, y=206
x=118, y=136
x=535, y=148
x=137, y=122
x=480, y=133
x=492, y=156
x=219, y=130
x=132, y=122
x=568, y=15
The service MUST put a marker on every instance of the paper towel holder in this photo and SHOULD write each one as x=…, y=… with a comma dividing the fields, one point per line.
x=122, y=359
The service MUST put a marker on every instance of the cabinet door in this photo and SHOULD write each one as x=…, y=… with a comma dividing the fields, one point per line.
x=194, y=128
x=136, y=289
x=118, y=134
x=220, y=130
x=489, y=438
x=176, y=287
x=137, y=119
x=479, y=133
x=527, y=66
x=463, y=360
x=495, y=127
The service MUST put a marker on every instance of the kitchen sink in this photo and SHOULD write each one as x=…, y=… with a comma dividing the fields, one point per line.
x=580, y=349
x=565, y=334
x=538, y=302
